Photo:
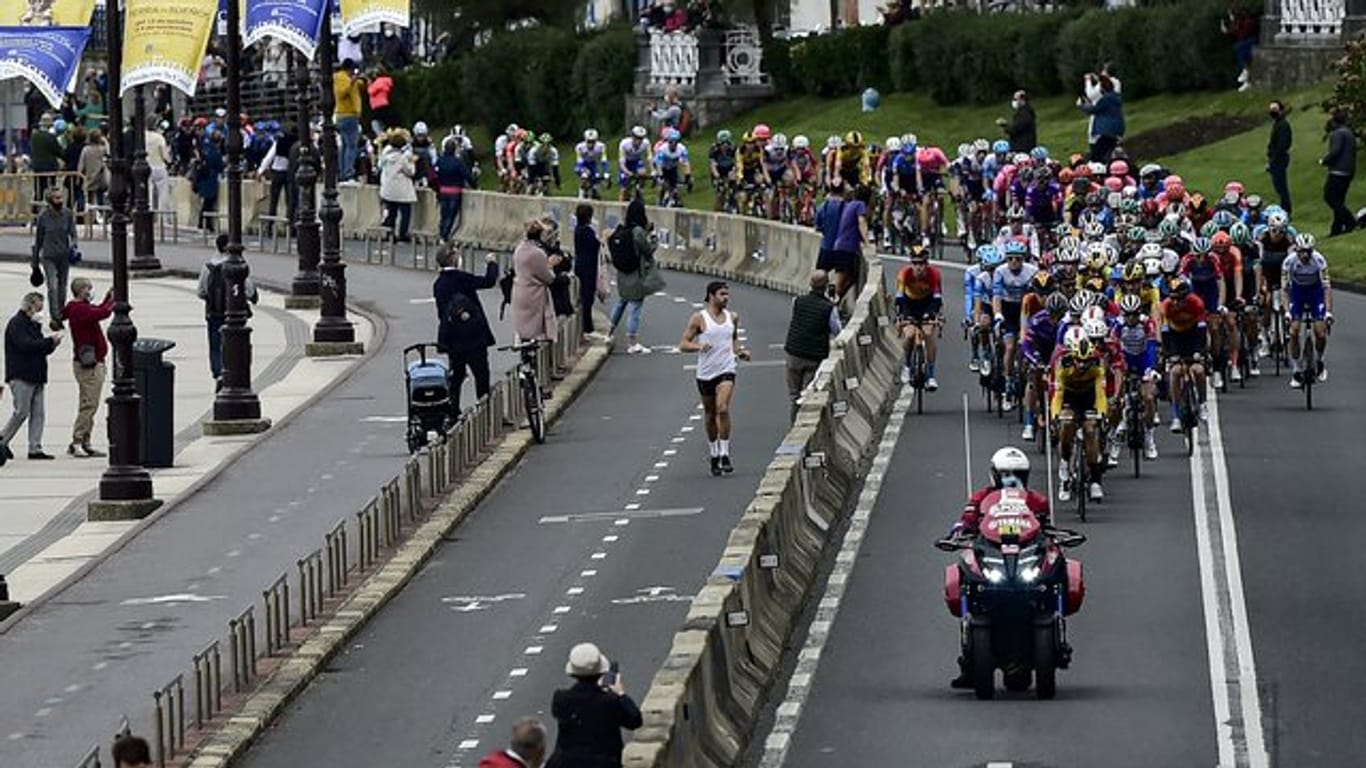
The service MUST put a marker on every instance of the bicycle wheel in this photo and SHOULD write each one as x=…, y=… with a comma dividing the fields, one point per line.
x=1309, y=370
x=1079, y=479
x=917, y=366
x=1190, y=414
x=535, y=414
x=1277, y=341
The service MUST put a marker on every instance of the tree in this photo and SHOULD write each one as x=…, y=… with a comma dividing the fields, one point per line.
x=465, y=19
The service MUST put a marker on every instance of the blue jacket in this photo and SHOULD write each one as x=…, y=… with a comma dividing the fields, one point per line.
x=1108, y=114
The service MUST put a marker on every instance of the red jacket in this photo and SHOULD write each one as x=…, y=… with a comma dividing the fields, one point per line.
x=972, y=511
x=84, y=318
x=500, y=759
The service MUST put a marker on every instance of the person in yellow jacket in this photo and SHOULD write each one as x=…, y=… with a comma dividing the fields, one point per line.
x=347, y=88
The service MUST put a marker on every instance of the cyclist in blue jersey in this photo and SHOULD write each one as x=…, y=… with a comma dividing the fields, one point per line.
x=590, y=163
x=633, y=160
x=1308, y=291
x=670, y=158
x=1136, y=336
x=1007, y=299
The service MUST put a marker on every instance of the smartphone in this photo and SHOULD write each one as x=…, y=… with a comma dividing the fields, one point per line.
x=610, y=679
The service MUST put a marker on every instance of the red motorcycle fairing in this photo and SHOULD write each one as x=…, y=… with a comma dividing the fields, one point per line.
x=1007, y=512
x=1076, y=588
x=953, y=590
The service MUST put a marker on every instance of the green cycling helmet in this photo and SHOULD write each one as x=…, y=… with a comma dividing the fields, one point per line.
x=1240, y=233
x=1168, y=228
x=1138, y=234
x=1209, y=229
x=546, y=138
x=1129, y=206
x=723, y=136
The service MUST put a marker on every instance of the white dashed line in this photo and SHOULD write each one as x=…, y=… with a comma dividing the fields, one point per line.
x=235, y=553
x=685, y=429
x=599, y=556
x=97, y=666
x=651, y=478
x=622, y=522
x=670, y=452
x=642, y=491
x=695, y=417
x=15, y=736
x=609, y=539
x=560, y=610
x=72, y=688
x=44, y=712
x=518, y=672
x=661, y=464
x=502, y=695
x=574, y=591
x=588, y=574
x=548, y=629
x=534, y=650
x=484, y=719
x=675, y=440
x=468, y=744
x=633, y=506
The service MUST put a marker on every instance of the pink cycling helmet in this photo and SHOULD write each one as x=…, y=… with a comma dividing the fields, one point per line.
x=762, y=132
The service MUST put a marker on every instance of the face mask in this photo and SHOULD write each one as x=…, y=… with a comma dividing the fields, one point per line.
x=1274, y=114
x=1014, y=105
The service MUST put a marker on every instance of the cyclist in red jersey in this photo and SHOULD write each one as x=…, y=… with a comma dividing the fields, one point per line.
x=1184, y=334
x=919, y=299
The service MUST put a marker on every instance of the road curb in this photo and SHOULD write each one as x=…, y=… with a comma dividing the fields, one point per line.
x=293, y=675
x=380, y=330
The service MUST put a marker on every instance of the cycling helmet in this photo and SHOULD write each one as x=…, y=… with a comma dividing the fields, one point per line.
x=1016, y=213
x=1209, y=228
x=1277, y=221
x=1201, y=245
x=762, y=132
x=1137, y=234
x=801, y=142
x=1234, y=187
x=1134, y=271
x=1095, y=291
x=1096, y=330
x=965, y=150
x=638, y=132
x=1094, y=230
x=1118, y=168
x=1083, y=171
x=1175, y=189
x=1077, y=344
x=458, y=131
x=546, y=138
x=1129, y=206
x=833, y=142
x=919, y=254
x=590, y=135
x=1223, y=219
x=989, y=256
x=1150, y=170
x=1170, y=227
x=512, y=129
x=893, y=144
x=1097, y=169
x=1069, y=243
x=1067, y=256
x=1066, y=176
x=1150, y=251
x=1221, y=241
x=1096, y=258
x=1056, y=304
x=1114, y=185
x=1131, y=304
x=420, y=128
x=1000, y=147
x=1039, y=153
x=982, y=145
x=1253, y=202
x=1152, y=267
x=1170, y=261
x=1179, y=286
x=1009, y=468
x=779, y=141
x=1080, y=301
x=1305, y=241
x=853, y=137
x=1042, y=283
x=1240, y=234
x=1015, y=248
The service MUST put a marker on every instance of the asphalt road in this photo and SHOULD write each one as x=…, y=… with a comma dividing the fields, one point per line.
x=437, y=678
x=73, y=667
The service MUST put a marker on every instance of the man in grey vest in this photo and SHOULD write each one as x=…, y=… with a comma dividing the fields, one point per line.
x=814, y=320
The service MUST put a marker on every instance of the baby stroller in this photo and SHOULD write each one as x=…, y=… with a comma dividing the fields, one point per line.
x=428, y=381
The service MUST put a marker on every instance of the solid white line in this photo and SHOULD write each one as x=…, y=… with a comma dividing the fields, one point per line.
x=1210, y=601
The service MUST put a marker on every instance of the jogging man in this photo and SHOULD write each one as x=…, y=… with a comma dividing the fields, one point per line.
x=714, y=334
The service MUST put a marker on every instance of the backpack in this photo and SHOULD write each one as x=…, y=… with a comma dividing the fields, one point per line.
x=685, y=121
x=216, y=292
x=621, y=245
x=461, y=317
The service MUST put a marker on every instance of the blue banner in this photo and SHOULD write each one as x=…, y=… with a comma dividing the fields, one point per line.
x=297, y=23
x=48, y=57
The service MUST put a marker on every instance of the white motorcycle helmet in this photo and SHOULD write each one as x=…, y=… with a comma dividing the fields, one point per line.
x=1010, y=468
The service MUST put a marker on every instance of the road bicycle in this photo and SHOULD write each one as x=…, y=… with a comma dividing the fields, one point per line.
x=1135, y=426
x=529, y=383
x=1187, y=402
x=1308, y=359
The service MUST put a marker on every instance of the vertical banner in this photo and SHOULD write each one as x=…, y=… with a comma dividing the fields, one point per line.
x=358, y=14
x=50, y=58
x=164, y=42
x=46, y=13
x=297, y=23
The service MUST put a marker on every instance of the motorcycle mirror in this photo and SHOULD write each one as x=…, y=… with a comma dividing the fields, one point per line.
x=950, y=545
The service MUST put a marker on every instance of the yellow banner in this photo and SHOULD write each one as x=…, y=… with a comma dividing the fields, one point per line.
x=358, y=14
x=164, y=41
x=46, y=13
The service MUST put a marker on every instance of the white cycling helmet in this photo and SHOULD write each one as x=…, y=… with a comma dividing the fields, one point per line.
x=512, y=129
x=834, y=142
x=1010, y=467
x=893, y=144
x=638, y=132
x=419, y=128
x=1150, y=251
x=1095, y=330
x=801, y=142
x=1305, y=241
x=458, y=131
x=965, y=150
x=779, y=141
x=981, y=145
x=1171, y=261
x=590, y=135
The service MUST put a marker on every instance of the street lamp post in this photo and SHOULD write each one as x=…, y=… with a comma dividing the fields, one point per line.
x=125, y=487
x=144, y=249
x=333, y=334
x=305, y=287
x=236, y=408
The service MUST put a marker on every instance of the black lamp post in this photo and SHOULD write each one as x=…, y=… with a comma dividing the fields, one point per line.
x=305, y=287
x=144, y=248
x=125, y=487
x=236, y=409
x=333, y=334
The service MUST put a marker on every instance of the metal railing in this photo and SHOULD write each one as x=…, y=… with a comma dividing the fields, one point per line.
x=169, y=704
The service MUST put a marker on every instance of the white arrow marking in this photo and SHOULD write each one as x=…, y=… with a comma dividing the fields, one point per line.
x=172, y=599
x=473, y=603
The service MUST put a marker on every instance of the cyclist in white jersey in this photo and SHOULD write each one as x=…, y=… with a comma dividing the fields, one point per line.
x=714, y=334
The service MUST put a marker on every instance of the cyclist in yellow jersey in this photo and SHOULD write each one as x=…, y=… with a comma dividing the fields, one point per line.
x=1079, y=395
x=749, y=160
x=1134, y=282
x=851, y=161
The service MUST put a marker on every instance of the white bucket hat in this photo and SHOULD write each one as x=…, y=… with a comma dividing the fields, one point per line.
x=585, y=660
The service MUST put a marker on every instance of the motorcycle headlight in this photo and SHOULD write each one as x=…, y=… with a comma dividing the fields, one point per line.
x=994, y=575
x=1029, y=573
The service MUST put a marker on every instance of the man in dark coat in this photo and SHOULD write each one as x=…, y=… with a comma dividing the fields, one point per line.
x=1021, y=131
x=591, y=713
x=463, y=328
x=26, y=351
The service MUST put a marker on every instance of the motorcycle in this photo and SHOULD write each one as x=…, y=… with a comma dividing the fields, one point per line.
x=1012, y=589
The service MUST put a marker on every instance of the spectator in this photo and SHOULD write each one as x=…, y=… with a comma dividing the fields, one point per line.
x=1107, y=117
x=851, y=233
x=159, y=160
x=54, y=236
x=213, y=291
x=346, y=89
x=1021, y=131
x=26, y=351
x=35, y=104
x=1243, y=28
x=424, y=155
x=452, y=176
x=396, y=190
x=380, y=89
x=349, y=48
x=1341, y=162
x=1278, y=153
x=89, y=349
x=393, y=50
x=633, y=287
x=591, y=713
x=533, y=266
x=462, y=327
x=671, y=114
x=527, y=749
x=208, y=172
x=93, y=167
x=814, y=320
x=587, y=258
x=275, y=65
x=275, y=166
x=132, y=752
x=71, y=158
x=45, y=150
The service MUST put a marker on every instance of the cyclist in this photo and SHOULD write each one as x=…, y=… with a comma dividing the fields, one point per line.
x=1040, y=288
x=977, y=306
x=779, y=173
x=1231, y=265
x=721, y=157
x=1009, y=284
x=749, y=163
x=1037, y=344
x=919, y=300
x=1137, y=339
x=1205, y=273
x=590, y=163
x=543, y=163
x=1078, y=393
x=851, y=161
x=1183, y=343
x=502, y=161
x=1307, y=292
x=669, y=160
x=1274, y=242
x=931, y=164
x=633, y=161
x=1150, y=183
x=1019, y=230
x=1134, y=282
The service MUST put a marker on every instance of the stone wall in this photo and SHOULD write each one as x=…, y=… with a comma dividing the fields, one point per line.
x=1279, y=68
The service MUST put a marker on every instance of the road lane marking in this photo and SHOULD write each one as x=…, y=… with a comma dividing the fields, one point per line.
x=1233, y=671
x=779, y=739
x=502, y=695
x=484, y=719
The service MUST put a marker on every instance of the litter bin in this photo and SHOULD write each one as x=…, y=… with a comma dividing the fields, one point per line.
x=154, y=379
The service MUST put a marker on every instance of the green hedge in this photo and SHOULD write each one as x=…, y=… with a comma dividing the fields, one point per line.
x=838, y=64
x=432, y=94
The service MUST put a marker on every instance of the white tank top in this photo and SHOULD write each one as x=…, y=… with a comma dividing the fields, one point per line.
x=720, y=359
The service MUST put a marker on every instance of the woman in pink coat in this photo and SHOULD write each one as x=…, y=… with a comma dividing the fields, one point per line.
x=533, y=312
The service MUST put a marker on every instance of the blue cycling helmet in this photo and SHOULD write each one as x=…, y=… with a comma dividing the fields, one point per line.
x=1001, y=147
x=1223, y=220
x=988, y=256
x=58, y=125
x=1016, y=248
x=1273, y=209
x=672, y=135
x=1039, y=153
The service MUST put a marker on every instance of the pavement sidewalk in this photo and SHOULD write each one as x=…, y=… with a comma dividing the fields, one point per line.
x=44, y=536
